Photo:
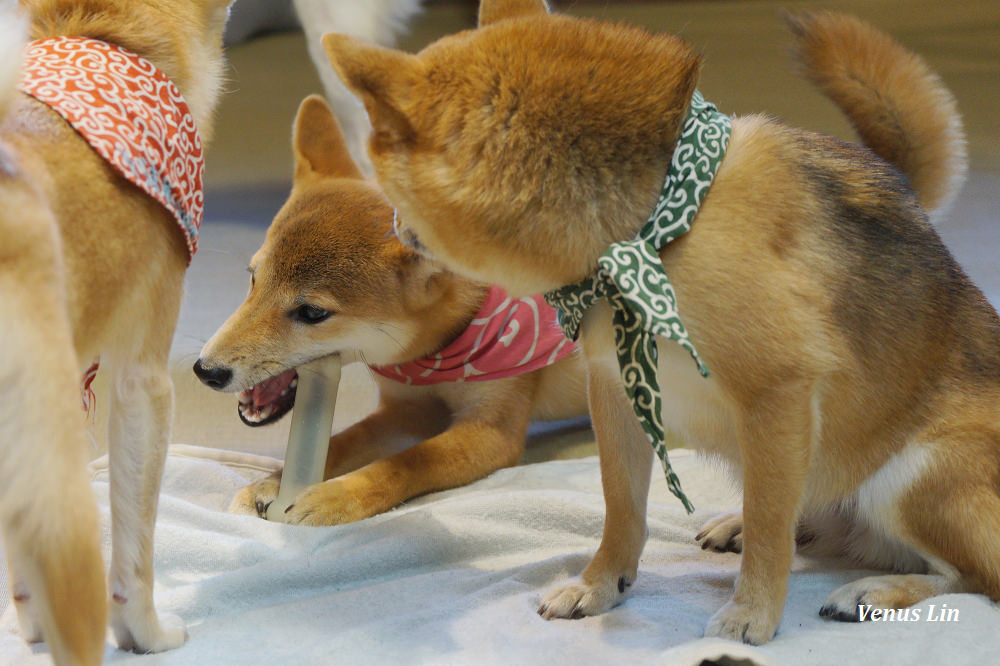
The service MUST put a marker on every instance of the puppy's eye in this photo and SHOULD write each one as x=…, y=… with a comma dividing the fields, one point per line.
x=309, y=314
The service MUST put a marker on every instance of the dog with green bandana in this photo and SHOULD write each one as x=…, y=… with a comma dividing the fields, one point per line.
x=775, y=297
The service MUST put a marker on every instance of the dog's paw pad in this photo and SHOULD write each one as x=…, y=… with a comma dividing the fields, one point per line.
x=334, y=502
x=737, y=622
x=578, y=600
x=254, y=499
x=723, y=534
x=152, y=633
x=854, y=601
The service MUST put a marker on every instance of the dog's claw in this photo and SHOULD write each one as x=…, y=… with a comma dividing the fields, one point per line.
x=262, y=508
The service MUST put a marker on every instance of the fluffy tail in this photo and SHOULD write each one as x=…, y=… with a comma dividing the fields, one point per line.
x=896, y=103
x=48, y=515
x=13, y=31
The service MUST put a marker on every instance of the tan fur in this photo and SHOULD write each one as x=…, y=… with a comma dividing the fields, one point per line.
x=855, y=369
x=331, y=246
x=90, y=267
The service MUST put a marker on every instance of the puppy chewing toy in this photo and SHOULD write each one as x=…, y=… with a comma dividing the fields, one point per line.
x=309, y=437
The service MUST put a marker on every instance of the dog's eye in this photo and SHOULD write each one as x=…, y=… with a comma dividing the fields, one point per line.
x=310, y=314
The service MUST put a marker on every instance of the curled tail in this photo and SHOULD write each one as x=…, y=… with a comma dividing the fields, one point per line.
x=13, y=30
x=899, y=107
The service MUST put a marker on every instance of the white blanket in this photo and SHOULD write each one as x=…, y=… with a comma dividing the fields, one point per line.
x=456, y=578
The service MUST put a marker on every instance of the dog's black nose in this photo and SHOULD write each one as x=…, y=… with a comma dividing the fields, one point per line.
x=216, y=378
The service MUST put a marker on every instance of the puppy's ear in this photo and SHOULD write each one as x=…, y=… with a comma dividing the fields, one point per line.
x=384, y=79
x=217, y=12
x=422, y=280
x=491, y=11
x=318, y=143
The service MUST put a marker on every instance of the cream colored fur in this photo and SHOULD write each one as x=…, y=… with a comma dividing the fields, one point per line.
x=90, y=267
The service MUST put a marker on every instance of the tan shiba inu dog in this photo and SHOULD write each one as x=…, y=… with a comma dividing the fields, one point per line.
x=855, y=370
x=331, y=277
x=90, y=266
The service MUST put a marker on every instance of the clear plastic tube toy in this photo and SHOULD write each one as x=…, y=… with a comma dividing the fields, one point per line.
x=309, y=437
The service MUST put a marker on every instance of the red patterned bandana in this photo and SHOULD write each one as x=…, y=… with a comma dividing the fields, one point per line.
x=507, y=337
x=130, y=113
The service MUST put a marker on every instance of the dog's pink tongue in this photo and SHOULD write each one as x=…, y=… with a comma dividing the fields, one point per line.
x=270, y=390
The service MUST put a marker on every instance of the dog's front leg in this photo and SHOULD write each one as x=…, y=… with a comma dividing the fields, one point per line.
x=138, y=431
x=486, y=437
x=394, y=426
x=775, y=444
x=626, y=460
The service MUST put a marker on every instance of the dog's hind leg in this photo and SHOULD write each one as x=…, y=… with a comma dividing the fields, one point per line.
x=47, y=509
x=626, y=460
x=945, y=508
x=138, y=434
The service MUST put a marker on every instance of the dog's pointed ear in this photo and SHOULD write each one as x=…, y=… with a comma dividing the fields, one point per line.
x=422, y=281
x=383, y=79
x=491, y=11
x=318, y=143
x=217, y=12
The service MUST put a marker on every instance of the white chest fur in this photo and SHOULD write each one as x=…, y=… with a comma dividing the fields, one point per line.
x=694, y=407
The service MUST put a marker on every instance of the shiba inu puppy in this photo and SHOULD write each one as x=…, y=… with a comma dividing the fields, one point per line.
x=92, y=266
x=854, y=369
x=332, y=278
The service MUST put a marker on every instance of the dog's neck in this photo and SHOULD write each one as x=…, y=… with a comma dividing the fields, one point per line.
x=192, y=63
x=450, y=306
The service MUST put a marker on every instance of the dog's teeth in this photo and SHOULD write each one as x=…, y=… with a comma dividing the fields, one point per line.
x=284, y=392
x=266, y=412
x=249, y=413
x=245, y=398
x=295, y=382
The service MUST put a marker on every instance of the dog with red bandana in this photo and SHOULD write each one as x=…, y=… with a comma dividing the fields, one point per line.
x=462, y=368
x=102, y=118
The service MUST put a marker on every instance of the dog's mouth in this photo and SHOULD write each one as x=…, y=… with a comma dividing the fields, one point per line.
x=269, y=400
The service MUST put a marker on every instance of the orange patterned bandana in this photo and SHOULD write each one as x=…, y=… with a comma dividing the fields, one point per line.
x=130, y=113
x=133, y=116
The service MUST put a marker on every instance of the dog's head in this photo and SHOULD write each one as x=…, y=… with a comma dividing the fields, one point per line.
x=330, y=278
x=517, y=152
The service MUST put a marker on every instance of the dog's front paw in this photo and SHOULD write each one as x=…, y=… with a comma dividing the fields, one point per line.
x=147, y=631
x=254, y=499
x=739, y=622
x=724, y=533
x=579, y=599
x=333, y=502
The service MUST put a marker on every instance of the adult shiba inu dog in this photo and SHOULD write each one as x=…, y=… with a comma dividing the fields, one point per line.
x=332, y=278
x=91, y=267
x=853, y=369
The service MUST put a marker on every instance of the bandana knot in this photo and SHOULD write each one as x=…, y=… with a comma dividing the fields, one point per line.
x=631, y=276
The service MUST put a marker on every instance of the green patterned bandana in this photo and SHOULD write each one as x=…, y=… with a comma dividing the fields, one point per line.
x=631, y=276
